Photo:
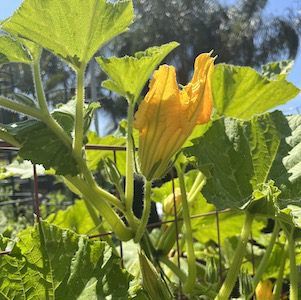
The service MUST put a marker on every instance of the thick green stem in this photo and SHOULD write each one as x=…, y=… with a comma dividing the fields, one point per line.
x=20, y=108
x=174, y=268
x=98, y=226
x=79, y=112
x=182, y=276
x=39, y=86
x=104, y=209
x=231, y=278
x=198, y=184
x=146, y=211
x=191, y=278
x=9, y=138
x=129, y=184
x=278, y=285
x=293, y=266
x=265, y=259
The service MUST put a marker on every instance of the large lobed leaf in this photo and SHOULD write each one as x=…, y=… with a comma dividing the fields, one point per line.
x=130, y=73
x=50, y=263
x=72, y=29
x=241, y=156
x=241, y=92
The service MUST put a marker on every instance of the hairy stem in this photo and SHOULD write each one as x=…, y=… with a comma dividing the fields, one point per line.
x=39, y=86
x=231, y=278
x=146, y=211
x=20, y=108
x=129, y=184
x=104, y=209
x=79, y=112
x=265, y=259
x=293, y=266
x=278, y=285
x=191, y=278
x=9, y=138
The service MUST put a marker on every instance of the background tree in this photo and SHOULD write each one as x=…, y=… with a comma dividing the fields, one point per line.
x=239, y=34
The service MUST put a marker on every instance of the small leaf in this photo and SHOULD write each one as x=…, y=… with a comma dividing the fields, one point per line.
x=71, y=29
x=12, y=51
x=241, y=92
x=130, y=73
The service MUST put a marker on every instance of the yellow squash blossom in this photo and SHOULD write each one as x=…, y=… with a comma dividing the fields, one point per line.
x=264, y=290
x=167, y=116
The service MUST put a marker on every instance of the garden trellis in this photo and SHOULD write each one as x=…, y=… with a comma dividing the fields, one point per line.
x=35, y=199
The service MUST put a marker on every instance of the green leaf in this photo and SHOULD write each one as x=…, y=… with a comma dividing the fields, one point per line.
x=41, y=146
x=76, y=217
x=130, y=73
x=50, y=263
x=241, y=92
x=230, y=224
x=241, y=156
x=277, y=70
x=72, y=29
x=12, y=51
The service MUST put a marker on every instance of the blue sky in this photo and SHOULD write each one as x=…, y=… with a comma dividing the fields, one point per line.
x=276, y=7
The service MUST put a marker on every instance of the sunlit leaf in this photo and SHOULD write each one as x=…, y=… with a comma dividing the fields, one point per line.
x=50, y=263
x=76, y=217
x=12, y=51
x=241, y=92
x=129, y=74
x=240, y=156
x=72, y=29
x=22, y=169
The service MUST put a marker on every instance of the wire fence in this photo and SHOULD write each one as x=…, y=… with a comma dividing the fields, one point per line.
x=35, y=197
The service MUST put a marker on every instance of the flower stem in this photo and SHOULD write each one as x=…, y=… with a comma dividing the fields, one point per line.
x=174, y=268
x=191, y=278
x=231, y=278
x=129, y=185
x=198, y=184
x=146, y=211
x=293, y=266
x=264, y=261
x=104, y=209
x=278, y=285
x=79, y=112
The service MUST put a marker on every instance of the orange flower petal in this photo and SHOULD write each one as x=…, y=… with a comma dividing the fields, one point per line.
x=167, y=116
